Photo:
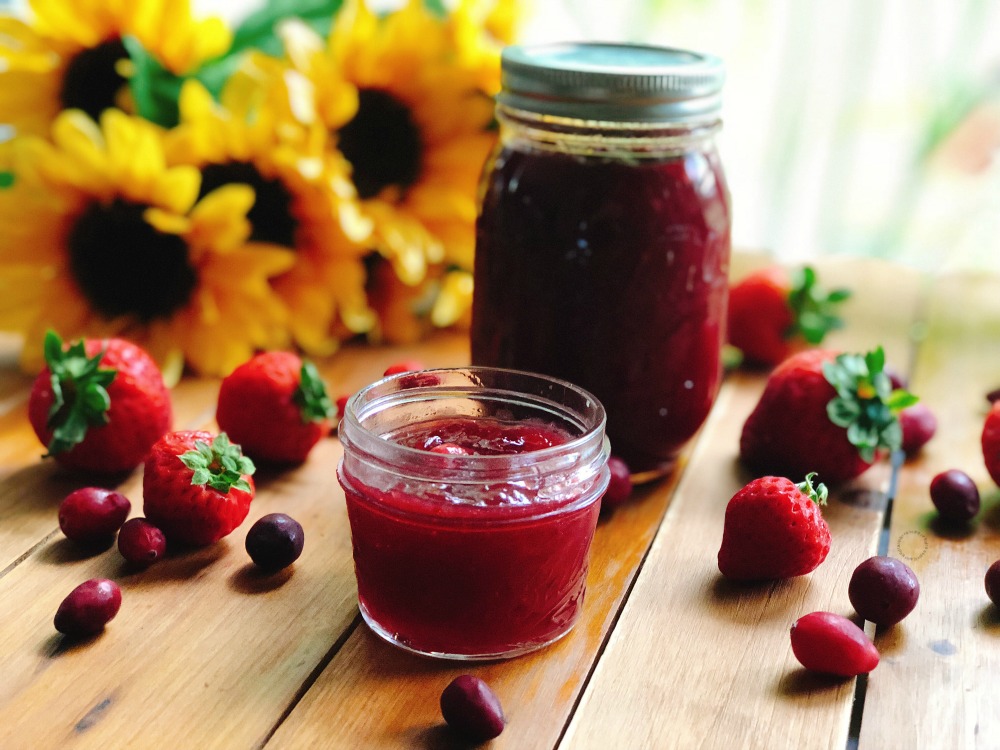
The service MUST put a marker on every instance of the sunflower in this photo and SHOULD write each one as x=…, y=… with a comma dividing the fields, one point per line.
x=103, y=238
x=70, y=54
x=304, y=200
x=415, y=142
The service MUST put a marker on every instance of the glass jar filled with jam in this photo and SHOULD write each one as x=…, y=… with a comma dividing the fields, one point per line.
x=603, y=240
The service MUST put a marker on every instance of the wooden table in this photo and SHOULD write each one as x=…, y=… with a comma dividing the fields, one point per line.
x=205, y=653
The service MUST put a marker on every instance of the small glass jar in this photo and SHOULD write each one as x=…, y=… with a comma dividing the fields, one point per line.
x=472, y=495
x=603, y=240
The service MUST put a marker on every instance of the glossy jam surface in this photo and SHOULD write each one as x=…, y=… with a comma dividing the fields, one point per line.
x=477, y=572
x=613, y=276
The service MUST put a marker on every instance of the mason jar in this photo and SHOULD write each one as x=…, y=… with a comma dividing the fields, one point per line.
x=603, y=239
x=472, y=495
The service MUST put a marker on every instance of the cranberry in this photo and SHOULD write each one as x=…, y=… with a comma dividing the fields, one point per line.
x=275, y=541
x=620, y=487
x=993, y=396
x=88, y=608
x=451, y=449
x=993, y=583
x=407, y=365
x=92, y=514
x=896, y=378
x=883, y=590
x=955, y=496
x=140, y=542
x=919, y=425
x=832, y=644
x=472, y=709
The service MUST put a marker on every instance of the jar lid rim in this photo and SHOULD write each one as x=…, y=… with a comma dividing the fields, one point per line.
x=612, y=81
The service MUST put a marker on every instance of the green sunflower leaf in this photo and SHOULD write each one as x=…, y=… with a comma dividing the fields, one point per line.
x=155, y=90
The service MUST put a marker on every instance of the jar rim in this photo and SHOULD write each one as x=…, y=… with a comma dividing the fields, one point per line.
x=458, y=382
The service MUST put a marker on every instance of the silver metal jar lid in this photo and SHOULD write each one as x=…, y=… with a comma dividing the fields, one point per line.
x=611, y=82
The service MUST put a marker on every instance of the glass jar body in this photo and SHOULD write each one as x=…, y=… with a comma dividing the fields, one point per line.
x=602, y=254
x=472, y=556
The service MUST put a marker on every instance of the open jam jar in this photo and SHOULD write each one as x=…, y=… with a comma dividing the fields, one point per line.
x=603, y=240
x=472, y=495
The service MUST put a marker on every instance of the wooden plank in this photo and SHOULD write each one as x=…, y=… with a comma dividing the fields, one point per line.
x=204, y=653
x=938, y=680
x=697, y=662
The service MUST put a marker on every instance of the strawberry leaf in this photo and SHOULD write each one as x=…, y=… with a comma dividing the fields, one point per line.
x=221, y=465
x=311, y=397
x=817, y=494
x=865, y=404
x=813, y=309
x=80, y=397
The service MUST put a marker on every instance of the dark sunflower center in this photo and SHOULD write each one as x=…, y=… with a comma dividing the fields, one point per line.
x=271, y=216
x=91, y=82
x=382, y=143
x=126, y=267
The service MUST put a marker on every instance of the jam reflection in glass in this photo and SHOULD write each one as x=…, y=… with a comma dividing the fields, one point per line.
x=471, y=517
x=611, y=273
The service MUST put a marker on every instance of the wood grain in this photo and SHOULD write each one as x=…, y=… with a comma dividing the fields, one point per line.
x=936, y=685
x=695, y=661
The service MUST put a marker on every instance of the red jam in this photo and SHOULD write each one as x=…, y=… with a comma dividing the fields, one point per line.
x=479, y=571
x=611, y=274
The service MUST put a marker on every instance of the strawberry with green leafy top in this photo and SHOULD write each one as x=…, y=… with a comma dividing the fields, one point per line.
x=773, y=313
x=276, y=407
x=774, y=529
x=99, y=405
x=825, y=412
x=197, y=487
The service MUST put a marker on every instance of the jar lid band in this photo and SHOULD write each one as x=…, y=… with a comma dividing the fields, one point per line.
x=611, y=82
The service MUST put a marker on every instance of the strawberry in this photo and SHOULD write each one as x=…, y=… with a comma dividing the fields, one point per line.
x=99, y=405
x=772, y=314
x=197, y=487
x=276, y=407
x=991, y=442
x=774, y=529
x=825, y=412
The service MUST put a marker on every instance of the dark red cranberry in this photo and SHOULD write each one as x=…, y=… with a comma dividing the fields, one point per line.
x=140, y=542
x=919, y=425
x=620, y=487
x=993, y=583
x=993, y=396
x=883, y=590
x=275, y=541
x=88, y=608
x=472, y=709
x=955, y=496
x=895, y=377
x=92, y=515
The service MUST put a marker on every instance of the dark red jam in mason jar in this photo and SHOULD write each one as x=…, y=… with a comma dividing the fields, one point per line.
x=472, y=498
x=602, y=246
